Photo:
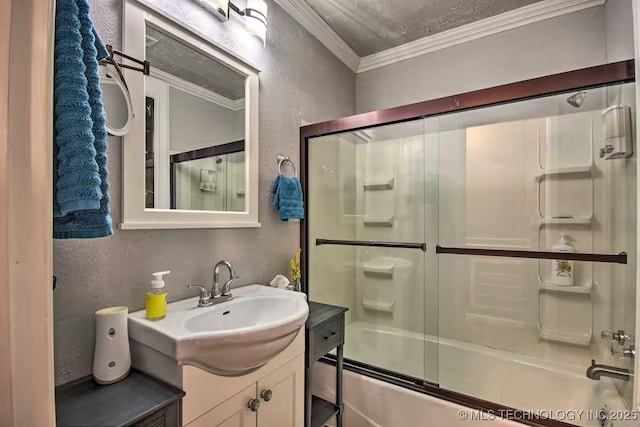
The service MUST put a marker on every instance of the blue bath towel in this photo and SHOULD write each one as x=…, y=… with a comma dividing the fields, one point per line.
x=81, y=199
x=288, y=199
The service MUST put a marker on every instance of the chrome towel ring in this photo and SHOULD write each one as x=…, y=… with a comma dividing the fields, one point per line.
x=284, y=159
x=111, y=72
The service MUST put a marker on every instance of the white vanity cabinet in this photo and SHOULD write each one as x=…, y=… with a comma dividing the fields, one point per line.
x=276, y=391
x=279, y=397
x=285, y=407
x=233, y=412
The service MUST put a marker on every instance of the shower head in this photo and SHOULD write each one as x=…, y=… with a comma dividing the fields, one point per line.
x=577, y=99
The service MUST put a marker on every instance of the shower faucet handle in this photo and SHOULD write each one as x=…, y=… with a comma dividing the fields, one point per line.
x=624, y=352
x=618, y=336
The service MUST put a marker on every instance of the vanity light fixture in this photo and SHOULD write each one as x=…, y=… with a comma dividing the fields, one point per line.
x=218, y=8
x=255, y=14
x=256, y=18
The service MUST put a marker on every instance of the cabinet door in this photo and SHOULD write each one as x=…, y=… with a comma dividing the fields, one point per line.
x=234, y=412
x=285, y=407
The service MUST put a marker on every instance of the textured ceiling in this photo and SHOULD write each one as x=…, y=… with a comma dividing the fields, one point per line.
x=174, y=57
x=371, y=26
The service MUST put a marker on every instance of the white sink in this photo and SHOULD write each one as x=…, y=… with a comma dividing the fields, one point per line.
x=231, y=338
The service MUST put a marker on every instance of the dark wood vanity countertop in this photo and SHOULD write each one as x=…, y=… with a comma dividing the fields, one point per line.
x=319, y=313
x=85, y=403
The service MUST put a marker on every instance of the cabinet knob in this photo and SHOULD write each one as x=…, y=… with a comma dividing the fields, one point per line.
x=331, y=336
x=266, y=395
x=254, y=404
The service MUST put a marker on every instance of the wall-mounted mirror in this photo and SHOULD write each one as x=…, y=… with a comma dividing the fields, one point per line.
x=191, y=158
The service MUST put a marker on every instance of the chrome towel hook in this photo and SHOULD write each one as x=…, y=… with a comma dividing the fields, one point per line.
x=285, y=159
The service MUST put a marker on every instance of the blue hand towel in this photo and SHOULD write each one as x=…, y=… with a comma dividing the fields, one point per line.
x=77, y=181
x=288, y=199
x=81, y=199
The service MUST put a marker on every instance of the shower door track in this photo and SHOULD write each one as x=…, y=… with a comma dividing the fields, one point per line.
x=434, y=390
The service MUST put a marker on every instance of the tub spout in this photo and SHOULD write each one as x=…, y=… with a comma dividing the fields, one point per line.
x=596, y=371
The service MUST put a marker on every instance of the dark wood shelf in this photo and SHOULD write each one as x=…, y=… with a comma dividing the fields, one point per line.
x=324, y=332
x=86, y=403
x=320, y=313
x=322, y=411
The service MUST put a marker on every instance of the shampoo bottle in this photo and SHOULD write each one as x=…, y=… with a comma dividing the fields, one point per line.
x=562, y=270
x=156, y=300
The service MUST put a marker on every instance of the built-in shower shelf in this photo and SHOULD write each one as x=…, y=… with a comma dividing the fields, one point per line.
x=568, y=170
x=378, y=268
x=378, y=184
x=565, y=221
x=582, y=289
x=378, y=221
x=565, y=317
x=387, y=307
x=566, y=337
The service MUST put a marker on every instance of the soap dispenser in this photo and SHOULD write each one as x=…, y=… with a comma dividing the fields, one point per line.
x=156, y=300
x=562, y=271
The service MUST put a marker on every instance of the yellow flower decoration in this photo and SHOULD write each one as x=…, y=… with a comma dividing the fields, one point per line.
x=294, y=265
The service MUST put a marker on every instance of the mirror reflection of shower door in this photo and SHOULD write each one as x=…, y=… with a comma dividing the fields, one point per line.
x=211, y=178
x=370, y=186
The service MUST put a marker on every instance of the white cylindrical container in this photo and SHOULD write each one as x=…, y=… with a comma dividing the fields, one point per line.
x=112, y=359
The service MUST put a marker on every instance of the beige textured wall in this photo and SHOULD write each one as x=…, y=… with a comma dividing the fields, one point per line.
x=300, y=80
x=565, y=43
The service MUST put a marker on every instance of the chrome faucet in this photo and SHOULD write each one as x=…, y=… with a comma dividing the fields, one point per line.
x=217, y=294
x=596, y=371
x=225, y=291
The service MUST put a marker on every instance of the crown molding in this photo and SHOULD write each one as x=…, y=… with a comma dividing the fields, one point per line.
x=311, y=21
x=496, y=24
x=195, y=90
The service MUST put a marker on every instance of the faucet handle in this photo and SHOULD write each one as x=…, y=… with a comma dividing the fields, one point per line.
x=204, y=292
x=226, y=288
x=205, y=295
x=624, y=352
x=618, y=336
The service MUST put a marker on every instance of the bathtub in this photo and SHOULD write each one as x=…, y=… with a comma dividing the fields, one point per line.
x=522, y=382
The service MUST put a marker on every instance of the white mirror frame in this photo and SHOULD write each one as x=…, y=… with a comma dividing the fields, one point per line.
x=136, y=14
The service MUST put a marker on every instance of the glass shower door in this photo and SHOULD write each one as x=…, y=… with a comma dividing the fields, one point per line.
x=519, y=183
x=368, y=227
